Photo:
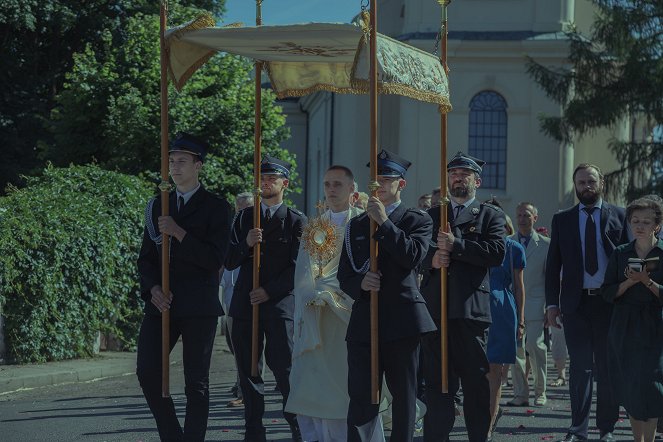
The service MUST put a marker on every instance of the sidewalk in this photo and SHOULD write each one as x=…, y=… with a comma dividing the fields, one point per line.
x=106, y=364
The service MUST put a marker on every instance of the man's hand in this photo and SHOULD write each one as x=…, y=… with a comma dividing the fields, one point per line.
x=375, y=210
x=445, y=240
x=159, y=299
x=371, y=281
x=254, y=237
x=441, y=258
x=168, y=226
x=258, y=296
x=552, y=313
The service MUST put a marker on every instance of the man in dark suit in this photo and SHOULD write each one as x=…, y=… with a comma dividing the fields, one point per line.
x=279, y=235
x=471, y=243
x=198, y=225
x=582, y=239
x=402, y=236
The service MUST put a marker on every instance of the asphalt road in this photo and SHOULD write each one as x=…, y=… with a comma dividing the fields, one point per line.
x=114, y=410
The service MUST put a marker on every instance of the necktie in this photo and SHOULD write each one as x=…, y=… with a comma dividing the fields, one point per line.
x=180, y=203
x=459, y=208
x=591, y=254
x=268, y=215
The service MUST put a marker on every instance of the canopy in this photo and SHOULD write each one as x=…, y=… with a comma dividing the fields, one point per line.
x=305, y=58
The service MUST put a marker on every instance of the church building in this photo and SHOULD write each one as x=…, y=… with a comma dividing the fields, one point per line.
x=496, y=106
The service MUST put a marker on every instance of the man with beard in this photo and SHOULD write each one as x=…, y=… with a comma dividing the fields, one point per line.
x=402, y=236
x=471, y=243
x=582, y=239
x=279, y=235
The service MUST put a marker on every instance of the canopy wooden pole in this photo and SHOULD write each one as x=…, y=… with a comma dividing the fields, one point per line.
x=444, y=201
x=165, y=188
x=257, y=140
x=373, y=79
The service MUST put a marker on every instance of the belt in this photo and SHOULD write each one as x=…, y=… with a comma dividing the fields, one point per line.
x=591, y=292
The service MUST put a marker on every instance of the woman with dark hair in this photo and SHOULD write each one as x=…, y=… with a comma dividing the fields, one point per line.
x=635, y=339
x=507, y=310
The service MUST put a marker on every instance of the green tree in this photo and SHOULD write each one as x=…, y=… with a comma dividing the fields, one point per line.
x=37, y=41
x=110, y=105
x=615, y=73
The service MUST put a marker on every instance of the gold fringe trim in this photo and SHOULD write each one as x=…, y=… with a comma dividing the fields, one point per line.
x=202, y=22
x=189, y=72
x=444, y=105
x=317, y=88
x=405, y=91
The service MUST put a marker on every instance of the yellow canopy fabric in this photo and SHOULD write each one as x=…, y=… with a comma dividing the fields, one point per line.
x=305, y=58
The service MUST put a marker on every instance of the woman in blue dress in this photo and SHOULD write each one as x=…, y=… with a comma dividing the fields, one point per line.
x=507, y=309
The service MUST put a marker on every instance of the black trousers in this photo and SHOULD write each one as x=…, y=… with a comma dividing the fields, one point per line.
x=197, y=341
x=276, y=333
x=468, y=364
x=398, y=361
x=586, y=333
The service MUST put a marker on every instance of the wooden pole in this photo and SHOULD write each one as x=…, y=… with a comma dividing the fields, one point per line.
x=257, y=143
x=444, y=201
x=165, y=189
x=373, y=80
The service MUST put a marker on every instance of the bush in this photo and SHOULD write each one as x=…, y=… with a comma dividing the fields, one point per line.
x=68, y=248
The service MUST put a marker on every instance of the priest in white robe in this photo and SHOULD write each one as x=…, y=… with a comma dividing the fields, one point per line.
x=319, y=375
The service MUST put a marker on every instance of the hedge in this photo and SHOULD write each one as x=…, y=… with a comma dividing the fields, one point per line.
x=68, y=247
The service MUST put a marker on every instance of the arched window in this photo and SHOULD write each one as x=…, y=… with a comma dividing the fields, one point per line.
x=487, y=137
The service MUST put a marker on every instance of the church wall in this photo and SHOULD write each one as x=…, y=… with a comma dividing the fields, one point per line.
x=538, y=168
x=485, y=15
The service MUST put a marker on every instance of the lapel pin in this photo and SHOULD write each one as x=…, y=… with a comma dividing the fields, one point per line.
x=475, y=211
x=472, y=229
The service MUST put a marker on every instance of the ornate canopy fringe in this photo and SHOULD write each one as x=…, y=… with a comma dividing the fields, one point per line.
x=305, y=58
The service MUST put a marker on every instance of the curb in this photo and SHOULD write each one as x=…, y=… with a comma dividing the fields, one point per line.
x=21, y=377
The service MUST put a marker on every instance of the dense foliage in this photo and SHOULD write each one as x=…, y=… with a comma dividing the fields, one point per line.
x=81, y=88
x=38, y=40
x=614, y=74
x=109, y=109
x=68, y=248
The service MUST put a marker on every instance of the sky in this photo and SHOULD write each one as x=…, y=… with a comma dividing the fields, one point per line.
x=277, y=12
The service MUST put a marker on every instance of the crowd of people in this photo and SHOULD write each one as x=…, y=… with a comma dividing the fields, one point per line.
x=592, y=286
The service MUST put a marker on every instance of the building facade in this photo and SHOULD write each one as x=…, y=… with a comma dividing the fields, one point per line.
x=496, y=106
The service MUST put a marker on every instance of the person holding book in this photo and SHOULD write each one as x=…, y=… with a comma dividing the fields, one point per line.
x=632, y=283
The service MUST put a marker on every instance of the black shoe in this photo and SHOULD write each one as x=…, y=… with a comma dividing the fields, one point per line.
x=607, y=436
x=573, y=438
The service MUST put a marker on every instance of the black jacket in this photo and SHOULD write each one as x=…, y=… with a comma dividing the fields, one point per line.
x=195, y=262
x=278, y=255
x=402, y=245
x=565, y=252
x=479, y=245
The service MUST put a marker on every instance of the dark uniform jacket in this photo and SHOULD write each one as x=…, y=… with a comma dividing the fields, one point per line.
x=195, y=262
x=479, y=245
x=565, y=252
x=278, y=254
x=402, y=244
